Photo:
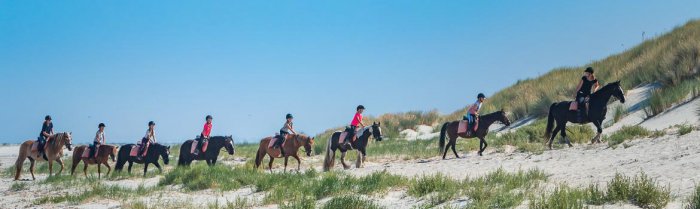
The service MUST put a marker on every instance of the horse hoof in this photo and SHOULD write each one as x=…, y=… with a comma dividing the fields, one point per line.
x=571, y=145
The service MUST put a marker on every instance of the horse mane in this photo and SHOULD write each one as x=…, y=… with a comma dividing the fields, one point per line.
x=606, y=88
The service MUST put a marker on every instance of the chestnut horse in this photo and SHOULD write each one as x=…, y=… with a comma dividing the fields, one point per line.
x=449, y=129
x=291, y=147
x=54, y=152
x=104, y=153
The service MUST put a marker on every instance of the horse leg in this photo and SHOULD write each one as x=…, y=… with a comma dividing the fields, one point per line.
x=482, y=145
x=73, y=167
x=160, y=170
x=99, y=172
x=342, y=160
x=130, y=164
x=447, y=148
x=563, y=134
x=554, y=134
x=60, y=162
x=269, y=165
x=85, y=166
x=145, y=168
x=50, y=168
x=31, y=167
x=286, y=158
x=109, y=169
x=454, y=150
x=358, y=162
x=364, y=154
x=298, y=162
x=598, y=125
x=213, y=161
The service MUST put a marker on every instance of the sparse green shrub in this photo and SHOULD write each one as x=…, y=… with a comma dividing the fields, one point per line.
x=627, y=133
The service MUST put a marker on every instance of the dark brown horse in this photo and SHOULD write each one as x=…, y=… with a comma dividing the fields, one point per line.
x=449, y=129
x=360, y=145
x=104, y=153
x=290, y=146
x=54, y=152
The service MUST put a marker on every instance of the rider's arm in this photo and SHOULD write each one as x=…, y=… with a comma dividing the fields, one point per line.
x=153, y=133
x=595, y=86
x=291, y=129
x=578, y=88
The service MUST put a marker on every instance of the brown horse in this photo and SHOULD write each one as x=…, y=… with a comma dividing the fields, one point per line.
x=291, y=147
x=54, y=151
x=104, y=153
x=450, y=129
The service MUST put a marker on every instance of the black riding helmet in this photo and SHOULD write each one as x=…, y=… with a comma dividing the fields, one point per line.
x=589, y=70
x=481, y=95
x=48, y=117
x=101, y=125
x=151, y=123
x=208, y=117
x=289, y=115
x=360, y=107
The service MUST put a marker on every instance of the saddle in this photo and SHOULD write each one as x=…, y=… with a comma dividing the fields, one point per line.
x=464, y=126
x=35, y=147
x=275, y=141
x=135, y=150
x=86, y=152
x=194, y=146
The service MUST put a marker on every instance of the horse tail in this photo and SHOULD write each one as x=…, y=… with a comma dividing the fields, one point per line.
x=181, y=161
x=260, y=154
x=23, y=153
x=550, y=121
x=121, y=157
x=443, y=133
x=329, y=160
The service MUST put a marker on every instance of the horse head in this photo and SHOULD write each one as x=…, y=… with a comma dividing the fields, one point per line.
x=377, y=131
x=228, y=144
x=308, y=143
x=67, y=139
x=113, y=154
x=618, y=92
x=164, y=152
x=503, y=118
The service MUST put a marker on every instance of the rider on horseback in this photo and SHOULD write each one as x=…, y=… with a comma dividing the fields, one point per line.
x=583, y=93
x=150, y=138
x=355, y=125
x=472, y=115
x=45, y=135
x=204, y=135
x=99, y=140
x=286, y=129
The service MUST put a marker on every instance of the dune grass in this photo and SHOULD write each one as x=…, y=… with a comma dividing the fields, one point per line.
x=350, y=202
x=626, y=133
x=693, y=201
x=498, y=189
x=640, y=190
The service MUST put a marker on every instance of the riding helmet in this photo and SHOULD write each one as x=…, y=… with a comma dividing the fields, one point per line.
x=48, y=117
x=360, y=107
x=481, y=95
x=589, y=70
x=101, y=125
x=208, y=117
x=289, y=115
x=150, y=123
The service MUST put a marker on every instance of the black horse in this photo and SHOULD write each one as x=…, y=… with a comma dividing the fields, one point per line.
x=154, y=151
x=213, y=149
x=360, y=144
x=598, y=107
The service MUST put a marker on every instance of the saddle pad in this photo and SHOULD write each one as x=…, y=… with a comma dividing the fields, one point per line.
x=35, y=147
x=462, y=127
x=135, y=150
x=343, y=136
x=86, y=152
x=272, y=142
x=194, y=146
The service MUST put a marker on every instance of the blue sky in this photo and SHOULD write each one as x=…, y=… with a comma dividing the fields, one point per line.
x=248, y=63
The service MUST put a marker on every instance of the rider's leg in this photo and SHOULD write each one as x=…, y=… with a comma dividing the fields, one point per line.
x=280, y=141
